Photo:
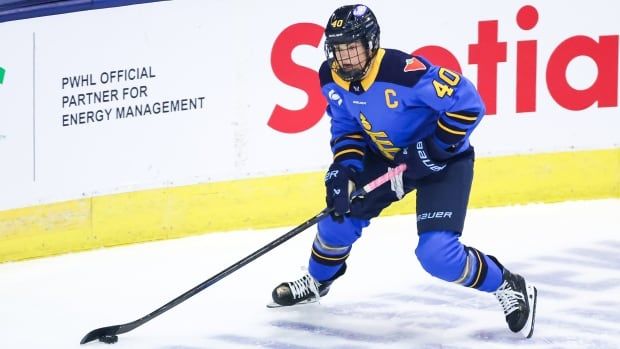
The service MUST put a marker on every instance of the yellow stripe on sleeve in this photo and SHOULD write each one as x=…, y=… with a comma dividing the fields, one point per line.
x=355, y=136
x=462, y=117
x=348, y=151
x=449, y=130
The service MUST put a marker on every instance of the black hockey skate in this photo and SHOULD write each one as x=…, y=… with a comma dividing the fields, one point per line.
x=518, y=299
x=302, y=291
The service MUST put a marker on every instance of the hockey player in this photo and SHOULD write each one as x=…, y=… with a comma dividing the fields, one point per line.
x=388, y=107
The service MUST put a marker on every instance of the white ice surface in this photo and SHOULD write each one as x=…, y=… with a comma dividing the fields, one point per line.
x=571, y=251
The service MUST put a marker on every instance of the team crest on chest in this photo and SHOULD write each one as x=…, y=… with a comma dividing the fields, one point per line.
x=413, y=64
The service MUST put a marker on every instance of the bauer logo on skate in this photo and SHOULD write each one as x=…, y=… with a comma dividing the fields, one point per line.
x=486, y=54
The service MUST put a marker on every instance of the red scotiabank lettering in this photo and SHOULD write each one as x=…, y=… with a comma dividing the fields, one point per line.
x=604, y=90
x=487, y=53
x=305, y=79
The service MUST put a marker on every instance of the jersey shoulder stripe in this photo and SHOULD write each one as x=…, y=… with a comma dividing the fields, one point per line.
x=401, y=68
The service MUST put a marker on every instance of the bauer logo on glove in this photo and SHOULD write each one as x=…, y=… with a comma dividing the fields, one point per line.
x=339, y=180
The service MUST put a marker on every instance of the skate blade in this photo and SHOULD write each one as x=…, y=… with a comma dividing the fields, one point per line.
x=532, y=297
x=276, y=305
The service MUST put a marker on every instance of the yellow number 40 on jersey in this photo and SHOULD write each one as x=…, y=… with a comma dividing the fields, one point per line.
x=449, y=79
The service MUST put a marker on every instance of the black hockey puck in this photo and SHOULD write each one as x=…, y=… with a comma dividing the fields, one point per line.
x=109, y=339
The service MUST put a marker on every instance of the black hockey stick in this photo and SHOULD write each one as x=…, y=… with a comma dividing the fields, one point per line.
x=109, y=334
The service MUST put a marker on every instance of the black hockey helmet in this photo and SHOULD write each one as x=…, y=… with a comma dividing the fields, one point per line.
x=347, y=25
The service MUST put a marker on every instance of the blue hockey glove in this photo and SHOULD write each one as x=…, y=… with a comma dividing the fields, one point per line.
x=423, y=158
x=340, y=182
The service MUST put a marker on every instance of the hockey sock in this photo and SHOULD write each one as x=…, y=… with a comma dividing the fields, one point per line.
x=326, y=260
x=480, y=272
x=444, y=256
x=332, y=245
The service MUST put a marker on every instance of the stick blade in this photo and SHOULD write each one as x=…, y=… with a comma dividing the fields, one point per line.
x=100, y=332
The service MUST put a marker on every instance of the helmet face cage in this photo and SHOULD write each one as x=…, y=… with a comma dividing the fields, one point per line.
x=350, y=30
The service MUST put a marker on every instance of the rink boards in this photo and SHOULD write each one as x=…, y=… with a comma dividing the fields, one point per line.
x=279, y=201
x=212, y=120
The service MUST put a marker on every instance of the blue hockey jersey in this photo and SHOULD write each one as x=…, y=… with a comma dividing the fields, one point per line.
x=401, y=100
